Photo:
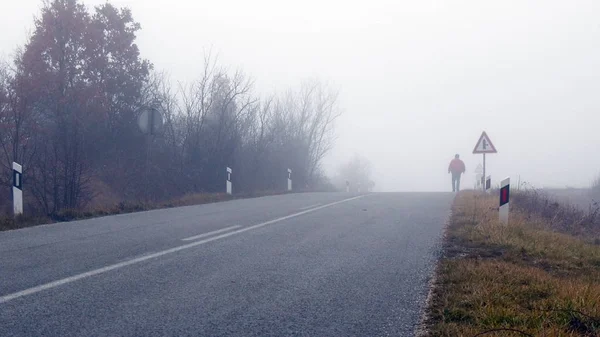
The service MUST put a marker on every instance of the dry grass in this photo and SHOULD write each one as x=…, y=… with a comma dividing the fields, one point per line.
x=8, y=223
x=523, y=276
x=561, y=217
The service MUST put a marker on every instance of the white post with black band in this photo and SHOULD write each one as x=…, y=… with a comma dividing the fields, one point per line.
x=504, y=200
x=17, y=189
x=228, y=184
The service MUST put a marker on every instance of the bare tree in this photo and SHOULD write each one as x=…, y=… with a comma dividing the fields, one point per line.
x=214, y=108
x=69, y=109
x=304, y=122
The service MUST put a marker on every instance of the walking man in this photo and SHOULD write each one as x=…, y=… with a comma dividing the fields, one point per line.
x=456, y=167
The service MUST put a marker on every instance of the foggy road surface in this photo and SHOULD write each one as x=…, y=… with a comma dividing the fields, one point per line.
x=328, y=264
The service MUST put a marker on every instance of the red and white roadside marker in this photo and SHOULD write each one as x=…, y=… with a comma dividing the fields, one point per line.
x=504, y=200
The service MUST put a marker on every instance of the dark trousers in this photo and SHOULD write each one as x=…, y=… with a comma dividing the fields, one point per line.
x=455, y=182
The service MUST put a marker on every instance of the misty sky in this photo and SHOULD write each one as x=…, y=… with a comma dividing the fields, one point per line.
x=419, y=80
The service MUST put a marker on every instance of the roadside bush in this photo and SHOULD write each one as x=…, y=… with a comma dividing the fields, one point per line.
x=558, y=216
x=595, y=188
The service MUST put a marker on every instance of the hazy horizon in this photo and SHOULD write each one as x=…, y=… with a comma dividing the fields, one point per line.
x=419, y=80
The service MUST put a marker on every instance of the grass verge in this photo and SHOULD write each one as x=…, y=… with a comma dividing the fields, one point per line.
x=9, y=223
x=521, y=279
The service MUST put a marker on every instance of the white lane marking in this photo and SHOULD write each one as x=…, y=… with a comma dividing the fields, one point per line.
x=192, y=238
x=94, y=272
x=309, y=207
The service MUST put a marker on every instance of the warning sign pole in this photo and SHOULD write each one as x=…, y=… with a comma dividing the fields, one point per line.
x=484, y=176
x=484, y=145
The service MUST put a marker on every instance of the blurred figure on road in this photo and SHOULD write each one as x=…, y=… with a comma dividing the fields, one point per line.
x=456, y=167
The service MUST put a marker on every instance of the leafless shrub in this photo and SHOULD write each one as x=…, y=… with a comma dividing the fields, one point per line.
x=559, y=216
x=69, y=109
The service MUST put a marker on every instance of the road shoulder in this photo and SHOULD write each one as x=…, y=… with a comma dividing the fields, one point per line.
x=521, y=279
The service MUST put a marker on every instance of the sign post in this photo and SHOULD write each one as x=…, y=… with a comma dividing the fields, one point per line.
x=478, y=176
x=228, y=183
x=484, y=185
x=484, y=145
x=151, y=123
x=289, y=180
x=17, y=189
x=504, y=200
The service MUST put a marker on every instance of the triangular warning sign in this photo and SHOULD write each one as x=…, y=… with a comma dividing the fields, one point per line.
x=484, y=145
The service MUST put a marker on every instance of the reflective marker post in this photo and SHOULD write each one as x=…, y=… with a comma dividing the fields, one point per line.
x=17, y=189
x=504, y=200
x=289, y=180
x=228, y=184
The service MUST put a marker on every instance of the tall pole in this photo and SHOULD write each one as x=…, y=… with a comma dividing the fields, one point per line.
x=484, y=176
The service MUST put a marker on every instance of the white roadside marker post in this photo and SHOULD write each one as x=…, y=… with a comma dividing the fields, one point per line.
x=228, y=184
x=347, y=186
x=289, y=180
x=17, y=189
x=504, y=200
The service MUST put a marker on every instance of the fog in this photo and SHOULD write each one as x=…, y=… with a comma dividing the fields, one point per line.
x=418, y=80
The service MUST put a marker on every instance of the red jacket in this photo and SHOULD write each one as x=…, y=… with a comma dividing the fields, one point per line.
x=456, y=166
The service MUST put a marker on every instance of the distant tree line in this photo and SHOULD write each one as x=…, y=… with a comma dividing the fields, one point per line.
x=355, y=174
x=70, y=101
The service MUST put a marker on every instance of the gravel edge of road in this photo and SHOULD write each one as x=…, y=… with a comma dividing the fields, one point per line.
x=423, y=327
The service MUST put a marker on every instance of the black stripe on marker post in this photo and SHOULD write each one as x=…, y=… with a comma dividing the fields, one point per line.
x=17, y=179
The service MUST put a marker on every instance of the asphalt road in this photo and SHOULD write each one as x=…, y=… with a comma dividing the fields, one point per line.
x=294, y=265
